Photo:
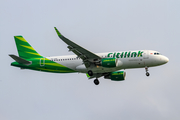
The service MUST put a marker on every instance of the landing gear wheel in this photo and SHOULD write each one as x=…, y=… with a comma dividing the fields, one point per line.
x=147, y=74
x=96, y=82
x=90, y=73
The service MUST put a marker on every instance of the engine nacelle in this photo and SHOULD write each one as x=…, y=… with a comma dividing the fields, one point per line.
x=110, y=62
x=116, y=76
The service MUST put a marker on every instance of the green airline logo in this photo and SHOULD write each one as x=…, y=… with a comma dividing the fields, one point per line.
x=108, y=60
x=125, y=54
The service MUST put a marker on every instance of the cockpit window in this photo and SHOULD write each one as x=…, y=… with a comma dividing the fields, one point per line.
x=156, y=53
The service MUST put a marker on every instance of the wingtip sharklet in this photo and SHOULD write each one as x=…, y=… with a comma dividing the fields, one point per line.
x=59, y=34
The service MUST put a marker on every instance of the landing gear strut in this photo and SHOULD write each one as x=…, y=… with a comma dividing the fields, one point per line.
x=90, y=73
x=96, y=82
x=147, y=73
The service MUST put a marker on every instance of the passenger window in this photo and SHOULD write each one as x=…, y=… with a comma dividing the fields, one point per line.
x=154, y=53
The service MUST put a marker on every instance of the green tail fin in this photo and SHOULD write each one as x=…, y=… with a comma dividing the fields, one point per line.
x=25, y=50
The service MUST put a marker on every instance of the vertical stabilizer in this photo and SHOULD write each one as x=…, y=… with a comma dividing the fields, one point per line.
x=25, y=50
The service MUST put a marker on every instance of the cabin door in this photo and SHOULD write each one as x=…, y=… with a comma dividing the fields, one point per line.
x=146, y=54
x=42, y=61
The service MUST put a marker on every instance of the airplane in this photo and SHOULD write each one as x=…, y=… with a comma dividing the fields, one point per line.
x=94, y=65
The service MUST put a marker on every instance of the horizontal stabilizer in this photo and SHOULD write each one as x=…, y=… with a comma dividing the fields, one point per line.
x=20, y=60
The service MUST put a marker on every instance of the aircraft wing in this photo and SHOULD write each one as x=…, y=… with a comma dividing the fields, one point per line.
x=81, y=52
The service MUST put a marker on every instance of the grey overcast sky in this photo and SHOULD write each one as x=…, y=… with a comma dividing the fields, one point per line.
x=99, y=26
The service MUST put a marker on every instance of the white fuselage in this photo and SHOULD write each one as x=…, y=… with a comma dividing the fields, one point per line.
x=149, y=58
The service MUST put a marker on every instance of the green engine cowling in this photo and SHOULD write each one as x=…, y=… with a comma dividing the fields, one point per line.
x=110, y=62
x=116, y=76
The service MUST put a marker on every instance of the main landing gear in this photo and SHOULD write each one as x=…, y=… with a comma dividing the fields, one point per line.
x=96, y=81
x=90, y=73
x=147, y=73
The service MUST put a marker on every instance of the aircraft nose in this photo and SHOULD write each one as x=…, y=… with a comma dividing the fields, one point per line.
x=165, y=59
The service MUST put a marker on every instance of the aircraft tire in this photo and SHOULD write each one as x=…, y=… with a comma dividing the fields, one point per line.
x=96, y=82
x=147, y=74
x=90, y=73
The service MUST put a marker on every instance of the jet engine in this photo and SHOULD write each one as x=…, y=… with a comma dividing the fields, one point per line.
x=110, y=62
x=116, y=76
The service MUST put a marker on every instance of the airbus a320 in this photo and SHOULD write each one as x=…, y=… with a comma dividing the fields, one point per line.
x=109, y=65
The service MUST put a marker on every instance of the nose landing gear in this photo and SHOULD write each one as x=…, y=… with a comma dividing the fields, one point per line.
x=147, y=73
